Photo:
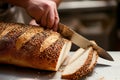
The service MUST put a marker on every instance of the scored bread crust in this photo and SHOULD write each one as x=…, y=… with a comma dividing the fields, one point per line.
x=30, y=53
x=81, y=71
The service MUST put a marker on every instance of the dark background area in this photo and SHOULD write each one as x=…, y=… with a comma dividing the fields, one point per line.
x=98, y=22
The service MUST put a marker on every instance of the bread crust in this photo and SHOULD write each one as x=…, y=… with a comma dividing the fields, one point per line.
x=92, y=65
x=2, y=27
x=30, y=53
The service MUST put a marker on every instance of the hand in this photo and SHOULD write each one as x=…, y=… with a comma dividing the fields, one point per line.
x=44, y=12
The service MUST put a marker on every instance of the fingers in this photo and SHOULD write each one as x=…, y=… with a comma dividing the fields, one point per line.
x=50, y=18
x=33, y=22
x=44, y=18
x=53, y=19
x=56, y=20
x=45, y=14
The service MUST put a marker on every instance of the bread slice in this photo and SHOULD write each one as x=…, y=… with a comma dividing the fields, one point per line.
x=72, y=57
x=64, y=52
x=67, y=50
x=91, y=67
x=77, y=54
x=76, y=69
x=92, y=64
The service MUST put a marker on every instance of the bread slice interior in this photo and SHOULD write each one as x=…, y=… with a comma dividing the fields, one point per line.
x=63, y=54
x=77, y=54
x=77, y=67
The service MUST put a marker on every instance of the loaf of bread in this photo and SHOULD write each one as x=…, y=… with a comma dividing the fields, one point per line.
x=39, y=48
x=32, y=46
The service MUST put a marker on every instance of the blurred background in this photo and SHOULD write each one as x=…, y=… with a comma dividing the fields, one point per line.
x=96, y=20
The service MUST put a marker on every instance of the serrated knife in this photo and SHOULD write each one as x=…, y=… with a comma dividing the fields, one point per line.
x=82, y=42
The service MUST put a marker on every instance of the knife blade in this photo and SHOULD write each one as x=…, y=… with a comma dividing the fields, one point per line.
x=81, y=41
